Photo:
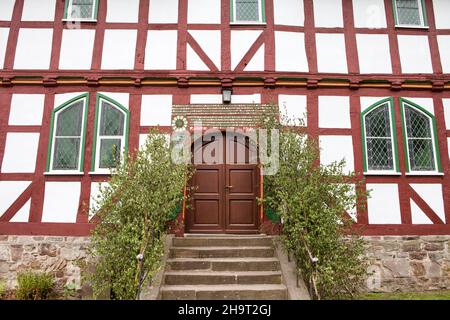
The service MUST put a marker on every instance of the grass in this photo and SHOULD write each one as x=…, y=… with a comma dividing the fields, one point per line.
x=428, y=295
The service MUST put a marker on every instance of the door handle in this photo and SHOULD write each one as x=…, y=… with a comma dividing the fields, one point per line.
x=229, y=187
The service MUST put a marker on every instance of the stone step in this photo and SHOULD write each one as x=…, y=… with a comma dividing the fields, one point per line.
x=225, y=292
x=224, y=264
x=223, y=277
x=230, y=241
x=220, y=252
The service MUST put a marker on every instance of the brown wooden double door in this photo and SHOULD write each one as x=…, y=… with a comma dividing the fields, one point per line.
x=223, y=199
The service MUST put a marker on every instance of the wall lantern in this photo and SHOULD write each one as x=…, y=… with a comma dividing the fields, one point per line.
x=226, y=95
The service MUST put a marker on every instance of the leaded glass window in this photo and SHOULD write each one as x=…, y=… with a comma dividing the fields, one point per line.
x=248, y=11
x=67, y=137
x=419, y=139
x=81, y=9
x=379, y=139
x=111, y=134
x=410, y=13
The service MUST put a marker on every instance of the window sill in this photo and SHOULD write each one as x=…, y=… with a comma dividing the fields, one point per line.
x=412, y=27
x=80, y=20
x=262, y=24
x=62, y=173
x=437, y=174
x=382, y=173
x=100, y=173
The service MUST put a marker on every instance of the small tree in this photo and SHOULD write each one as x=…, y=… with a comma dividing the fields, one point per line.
x=133, y=211
x=312, y=201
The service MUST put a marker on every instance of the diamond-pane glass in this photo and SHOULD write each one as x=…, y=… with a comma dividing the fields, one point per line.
x=247, y=10
x=66, y=153
x=420, y=140
x=379, y=151
x=82, y=9
x=69, y=120
x=109, y=152
x=112, y=120
x=408, y=12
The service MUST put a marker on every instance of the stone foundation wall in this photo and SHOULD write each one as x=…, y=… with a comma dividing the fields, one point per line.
x=409, y=263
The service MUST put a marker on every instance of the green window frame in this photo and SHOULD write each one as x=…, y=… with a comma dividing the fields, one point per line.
x=111, y=130
x=240, y=10
x=65, y=139
x=423, y=139
x=375, y=141
x=72, y=11
x=404, y=13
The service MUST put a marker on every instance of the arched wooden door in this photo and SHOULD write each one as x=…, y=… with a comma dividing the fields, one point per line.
x=223, y=199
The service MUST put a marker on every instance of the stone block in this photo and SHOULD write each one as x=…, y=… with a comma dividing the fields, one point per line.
x=434, y=246
x=417, y=269
x=417, y=255
x=16, y=252
x=411, y=245
x=397, y=267
x=47, y=249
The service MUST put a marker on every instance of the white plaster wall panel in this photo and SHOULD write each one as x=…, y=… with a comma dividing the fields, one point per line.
x=94, y=197
x=444, y=51
x=373, y=53
x=34, y=47
x=163, y=11
x=241, y=41
x=6, y=9
x=289, y=12
x=161, y=50
x=441, y=9
x=246, y=98
x=20, y=152
x=369, y=14
x=4, y=33
x=26, y=110
x=432, y=195
x=417, y=215
x=256, y=63
x=328, y=13
x=293, y=107
x=334, y=112
x=156, y=110
x=38, y=10
x=206, y=98
x=10, y=191
x=415, y=54
x=122, y=11
x=204, y=11
x=367, y=102
x=383, y=203
x=193, y=61
x=76, y=49
x=23, y=214
x=290, y=54
x=426, y=103
x=446, y=104
x=331, y=55
x=336, y=148
x=121, y=97
x=61, y=201
x=210, y=42
x=64, y=97
x=119, y=47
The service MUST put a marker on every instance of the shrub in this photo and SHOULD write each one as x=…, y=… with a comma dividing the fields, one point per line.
x=2, y=289
x=34, y=286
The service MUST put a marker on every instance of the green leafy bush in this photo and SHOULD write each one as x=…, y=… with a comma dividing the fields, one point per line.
x=312, y=201
x=34, y=286
x=2, y=289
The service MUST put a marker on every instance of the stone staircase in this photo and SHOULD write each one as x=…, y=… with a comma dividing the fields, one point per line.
x=223, y=267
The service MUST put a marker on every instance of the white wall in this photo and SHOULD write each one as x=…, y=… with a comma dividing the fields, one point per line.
x=4, y=32
x=23, y=214
x=432, y=194
x=336, y=148
x=64, y=97
x=163, y=11
x=210, y=42
x=328, y=13
x=446, y=103
x=444, y=52
x=241, y=41
x=331, y=54
x=26, y=110
x=293, y=107
x=256, y=63
x=20, y=152
x=373, y=53
x=289, y=12
x=415, y=54
x=334, y=112
x=38, y=10
x=193, y=60
x=10, y=191
x=76, y=49
x=441, y=9
x=369, y=14
x=383, y=203
x=290, y=54
x=119, y=49
x=156, y=110
x=61, y=202
x=161, y=50
x=206, y=98
x=204, y=11
x=367, y=102
x=34, y=47
x=6, y=9
x=122, y=11
x=95, y=193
